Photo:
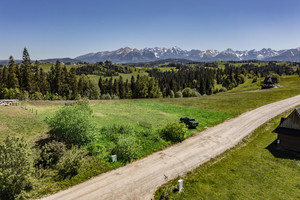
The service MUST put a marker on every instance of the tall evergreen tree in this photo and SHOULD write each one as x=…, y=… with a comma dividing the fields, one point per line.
x=26, y=73
x=12, y=81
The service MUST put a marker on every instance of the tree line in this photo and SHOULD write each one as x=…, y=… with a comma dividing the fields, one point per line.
x=29, y=81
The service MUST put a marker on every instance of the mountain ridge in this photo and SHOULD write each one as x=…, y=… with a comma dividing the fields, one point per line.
x=132, y=55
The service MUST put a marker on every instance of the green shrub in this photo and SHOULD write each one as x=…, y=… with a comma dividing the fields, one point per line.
x=174, y=132
x=98, y=149
x=51, y=153
x=73, y=124
x=254, y=79
x=83, y=101
x=127, y=148
x=223, y=89
x=172, y=95
x=69, y=164
x=178, y=94
x=112, y=132
x=15, y=168
x=36, y=96
x=105, y=96
x=187, y=92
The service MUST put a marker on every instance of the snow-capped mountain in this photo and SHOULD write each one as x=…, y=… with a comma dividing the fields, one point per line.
x=129, y=55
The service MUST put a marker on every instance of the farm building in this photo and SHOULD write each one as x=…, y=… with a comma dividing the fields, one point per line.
x=269, y=83
x=289, y=131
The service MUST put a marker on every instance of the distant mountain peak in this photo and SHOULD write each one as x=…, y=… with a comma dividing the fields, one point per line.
x=131, y=55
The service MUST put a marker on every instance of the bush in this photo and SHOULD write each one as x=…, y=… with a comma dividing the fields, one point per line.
x=105, y=96
x=223, y=89
x=195, y=93
x=241, y=79
x=73, y=124
x=187, y=92
x=112, y=132
x=115, y=97
x=51, y=153
x=127, y=148
x=15, y=168
x=36, y=96
x=96, y=148
x=178, y=94
x=83, y=101
x=70, y=163
x=174, y=132
x=172, y=95
x=254, y=79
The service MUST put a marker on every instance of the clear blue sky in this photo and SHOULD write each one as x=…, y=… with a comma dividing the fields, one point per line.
x=69, y=28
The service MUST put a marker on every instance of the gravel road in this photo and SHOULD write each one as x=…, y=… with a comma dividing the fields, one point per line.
x=140, y=179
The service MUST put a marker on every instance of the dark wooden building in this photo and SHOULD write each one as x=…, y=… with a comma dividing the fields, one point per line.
x=289, y=131
x=269, y=83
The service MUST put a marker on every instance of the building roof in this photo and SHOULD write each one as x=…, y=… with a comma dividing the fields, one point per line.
x=290, y=125
x=269, y=80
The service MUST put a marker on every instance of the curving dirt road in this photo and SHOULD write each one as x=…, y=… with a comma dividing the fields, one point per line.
x=140, y=179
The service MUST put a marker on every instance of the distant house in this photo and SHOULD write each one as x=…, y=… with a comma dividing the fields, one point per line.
x=269, y=83
x=289, y=131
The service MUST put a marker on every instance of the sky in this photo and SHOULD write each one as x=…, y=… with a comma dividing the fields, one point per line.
x=70, y=28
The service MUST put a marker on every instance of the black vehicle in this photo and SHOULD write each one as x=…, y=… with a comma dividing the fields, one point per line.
x=189, y=121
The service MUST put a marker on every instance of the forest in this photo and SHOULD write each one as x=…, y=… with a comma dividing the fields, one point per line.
x=28, y=80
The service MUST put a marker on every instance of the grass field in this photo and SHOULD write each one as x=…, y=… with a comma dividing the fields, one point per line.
x=245, y=97
x=139, y=114
x=254, y=169
x=15, y=121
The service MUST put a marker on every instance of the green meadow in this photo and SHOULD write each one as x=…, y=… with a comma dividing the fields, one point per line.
x=254, y=169
x=140, y=115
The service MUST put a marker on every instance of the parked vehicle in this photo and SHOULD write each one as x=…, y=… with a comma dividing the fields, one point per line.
x=189, y=121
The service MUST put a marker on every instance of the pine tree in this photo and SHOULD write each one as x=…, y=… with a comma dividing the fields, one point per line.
x=26, y=73
x=12, y=81
x=73, y=82
x=121, y=88
x=4, y=77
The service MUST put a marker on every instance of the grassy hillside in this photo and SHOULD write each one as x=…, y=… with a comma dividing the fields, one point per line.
x=142, y=114
x=15, y=121
x=255, y=169
x=245, y=97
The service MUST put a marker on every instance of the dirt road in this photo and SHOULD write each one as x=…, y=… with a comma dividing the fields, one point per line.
x=140, y=179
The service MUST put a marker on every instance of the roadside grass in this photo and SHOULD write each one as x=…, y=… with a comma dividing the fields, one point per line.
x=254, y=169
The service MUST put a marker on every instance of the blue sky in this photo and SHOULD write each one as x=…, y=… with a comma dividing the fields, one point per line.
x=65, y=28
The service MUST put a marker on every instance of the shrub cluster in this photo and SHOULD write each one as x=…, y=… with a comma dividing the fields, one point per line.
x=15, y=168
x=73, y=124
x=174, y=132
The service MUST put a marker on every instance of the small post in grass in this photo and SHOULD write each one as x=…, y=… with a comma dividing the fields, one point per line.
x=166, y=189
x=113, y=158
x=179, y=185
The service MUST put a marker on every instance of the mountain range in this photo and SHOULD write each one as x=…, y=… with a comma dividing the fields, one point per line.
x=132, y=55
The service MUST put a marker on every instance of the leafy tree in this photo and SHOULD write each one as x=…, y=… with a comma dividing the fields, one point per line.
x=74, y=124
x=15, y=168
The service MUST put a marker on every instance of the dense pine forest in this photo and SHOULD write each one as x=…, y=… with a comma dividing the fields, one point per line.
x=29, y=80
